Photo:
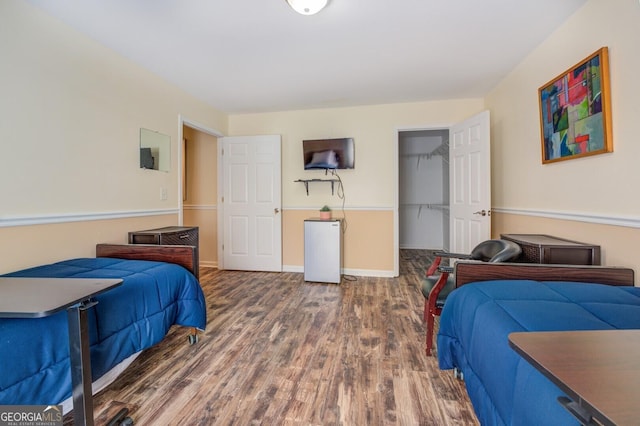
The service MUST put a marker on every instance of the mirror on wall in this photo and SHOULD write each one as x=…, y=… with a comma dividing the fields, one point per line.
x=155, y=150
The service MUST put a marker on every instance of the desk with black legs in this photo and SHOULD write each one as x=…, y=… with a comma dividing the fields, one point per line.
x=41, y=297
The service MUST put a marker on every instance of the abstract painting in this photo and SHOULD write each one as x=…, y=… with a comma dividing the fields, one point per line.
x=575, y=111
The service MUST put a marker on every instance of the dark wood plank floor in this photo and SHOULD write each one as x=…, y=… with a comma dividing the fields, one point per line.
x=280, y=351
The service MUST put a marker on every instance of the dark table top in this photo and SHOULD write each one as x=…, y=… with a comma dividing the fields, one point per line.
x=541, y=239
x=597, y=369
x=166, y=229
x=40, y=297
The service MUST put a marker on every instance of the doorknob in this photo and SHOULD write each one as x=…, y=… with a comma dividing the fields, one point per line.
x=276, y=210
x=481, y=212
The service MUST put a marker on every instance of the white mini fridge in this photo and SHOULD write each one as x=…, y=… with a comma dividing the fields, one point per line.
x=322, y=250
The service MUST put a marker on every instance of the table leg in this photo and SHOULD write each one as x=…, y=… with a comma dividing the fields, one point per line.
x=80, y=359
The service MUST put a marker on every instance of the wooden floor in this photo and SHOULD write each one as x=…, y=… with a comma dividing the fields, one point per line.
x=280, y=351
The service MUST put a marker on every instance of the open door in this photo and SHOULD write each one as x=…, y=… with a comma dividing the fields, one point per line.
x=469, y=183
x=251, y=203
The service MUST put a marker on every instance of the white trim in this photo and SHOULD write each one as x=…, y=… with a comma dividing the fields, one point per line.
x=200, y=206
x=339, y=208
x=396, y=185
x=219, y=197
x=208, y=264
x=354, y=272
x=414, y=247
x=369, y=273
x=199, y=127
x=183, y=121
x=80, y=217
x=627, y=221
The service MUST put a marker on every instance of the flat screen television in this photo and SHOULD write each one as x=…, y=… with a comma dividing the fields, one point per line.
x=328, y=153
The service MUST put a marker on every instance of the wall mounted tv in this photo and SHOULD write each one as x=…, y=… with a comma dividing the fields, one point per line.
x=328, y=153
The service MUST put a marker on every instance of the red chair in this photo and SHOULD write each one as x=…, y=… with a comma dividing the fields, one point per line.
x=440, y=281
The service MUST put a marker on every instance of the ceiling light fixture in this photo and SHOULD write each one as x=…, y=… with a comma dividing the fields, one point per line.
x=307, y=7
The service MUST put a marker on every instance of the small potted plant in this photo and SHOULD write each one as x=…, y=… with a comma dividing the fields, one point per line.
x=325, y=212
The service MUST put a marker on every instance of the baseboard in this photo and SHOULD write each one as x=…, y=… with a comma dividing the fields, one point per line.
x=404, y=247
x=293, y=268
x=354, y=272
x=368, y=273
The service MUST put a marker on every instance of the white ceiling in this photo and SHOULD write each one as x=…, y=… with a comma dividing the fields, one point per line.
x=259, y=55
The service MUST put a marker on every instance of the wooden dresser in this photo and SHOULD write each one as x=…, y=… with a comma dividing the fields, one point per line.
x=541, y=248
x=170, y=235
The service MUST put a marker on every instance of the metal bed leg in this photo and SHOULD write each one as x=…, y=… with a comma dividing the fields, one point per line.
x=193, y=337
x=80, y=359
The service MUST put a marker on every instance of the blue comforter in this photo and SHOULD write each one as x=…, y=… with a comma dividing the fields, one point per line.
x=477, y=319
x=34, y=353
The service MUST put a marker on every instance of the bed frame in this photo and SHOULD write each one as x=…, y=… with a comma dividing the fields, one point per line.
x=468, y=272
x=474, y=332
x=184, y=256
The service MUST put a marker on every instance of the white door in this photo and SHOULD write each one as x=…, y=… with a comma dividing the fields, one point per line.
x=251, y=203
x=469, y=183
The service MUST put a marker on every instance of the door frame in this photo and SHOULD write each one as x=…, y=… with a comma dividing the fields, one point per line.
x=184, y=121
x=396, y=201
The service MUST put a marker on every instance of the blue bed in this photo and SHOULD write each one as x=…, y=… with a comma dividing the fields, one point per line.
x=477, y=319
x=34, y=353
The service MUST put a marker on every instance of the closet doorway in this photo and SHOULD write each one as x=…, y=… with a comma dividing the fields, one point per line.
x=423, y=192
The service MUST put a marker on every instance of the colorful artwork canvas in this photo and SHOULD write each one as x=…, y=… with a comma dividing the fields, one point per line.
x=575, y=111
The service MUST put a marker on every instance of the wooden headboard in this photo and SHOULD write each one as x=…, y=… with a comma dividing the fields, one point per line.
x=182, y=255
x=468, y=272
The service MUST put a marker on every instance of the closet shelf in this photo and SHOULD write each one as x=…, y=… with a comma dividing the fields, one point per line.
x=306, y=183
x=433, y=206
x=442, y=150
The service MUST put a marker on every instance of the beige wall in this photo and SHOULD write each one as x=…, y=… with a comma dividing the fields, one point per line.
x=577, y=198
x=365, y=252
x=370, y=188
x=26, y=246
x=71, y=115
x=618, y=244
x=372, y=184
x=200, y=207
x=72, y=110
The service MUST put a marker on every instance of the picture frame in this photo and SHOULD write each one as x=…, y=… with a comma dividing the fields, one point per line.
x=575, y=111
